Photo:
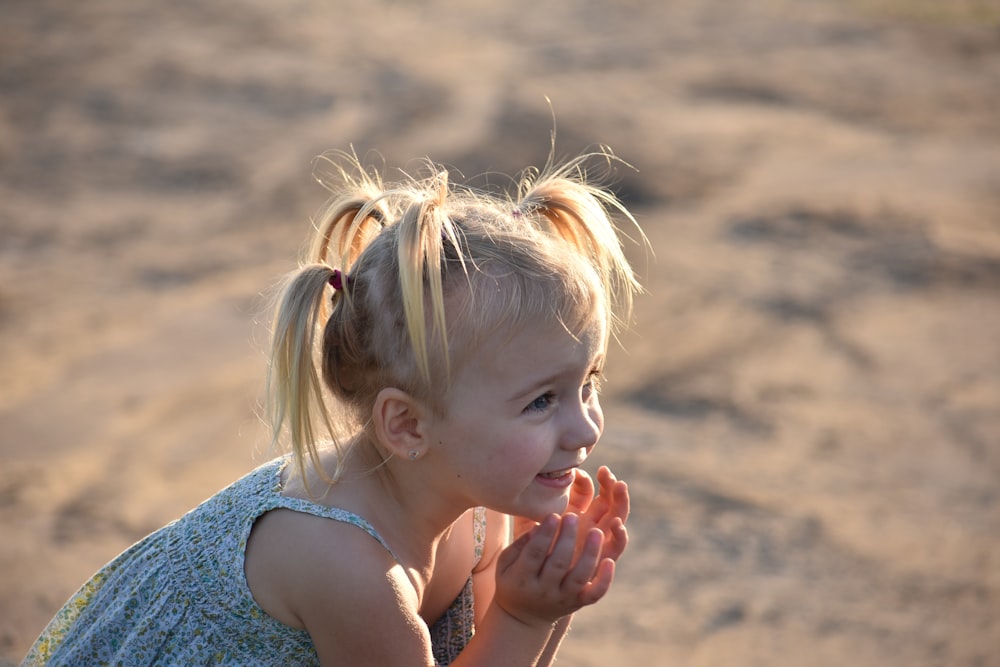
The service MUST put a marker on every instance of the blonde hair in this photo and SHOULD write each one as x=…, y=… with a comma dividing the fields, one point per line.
x=429, y=271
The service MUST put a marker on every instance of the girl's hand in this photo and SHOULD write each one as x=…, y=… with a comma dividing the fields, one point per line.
x=552, y=571
x=608, y=511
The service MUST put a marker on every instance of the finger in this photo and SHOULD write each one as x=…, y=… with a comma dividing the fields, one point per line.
x=606, y=482
x=597, y=513
x=605, y=478
x=560, y=558
x=612, y=494
x=600, y=584
x=582, y=482
x=617, y=540
x=537, y=543
x=588, y=560
x=511, y=553
x=581, y=492
x=620, y=504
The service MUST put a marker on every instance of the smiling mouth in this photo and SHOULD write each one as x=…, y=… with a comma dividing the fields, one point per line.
x=556, y=474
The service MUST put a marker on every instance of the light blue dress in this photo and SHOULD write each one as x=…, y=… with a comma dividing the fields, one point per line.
x=180, y=597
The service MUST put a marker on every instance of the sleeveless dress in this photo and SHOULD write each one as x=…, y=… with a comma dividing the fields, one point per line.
x=180, y=596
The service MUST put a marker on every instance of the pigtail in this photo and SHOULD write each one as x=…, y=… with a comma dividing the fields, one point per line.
x=295, y=388
x=393, y=255
x=583, y=215
x=346, y=230
x=422, y=229
x=343, y=229
x=347, y=225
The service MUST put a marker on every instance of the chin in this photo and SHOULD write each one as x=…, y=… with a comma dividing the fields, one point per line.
x=542, y=510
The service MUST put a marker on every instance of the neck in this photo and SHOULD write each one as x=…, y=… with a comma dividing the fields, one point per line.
x=409, y=512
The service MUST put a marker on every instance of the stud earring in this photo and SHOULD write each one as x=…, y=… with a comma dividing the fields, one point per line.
x=413, y=454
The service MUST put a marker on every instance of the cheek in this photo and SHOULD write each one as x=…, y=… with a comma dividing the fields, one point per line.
x=523, y=452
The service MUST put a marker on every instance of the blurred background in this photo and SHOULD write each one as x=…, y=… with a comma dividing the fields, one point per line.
x=808, y=405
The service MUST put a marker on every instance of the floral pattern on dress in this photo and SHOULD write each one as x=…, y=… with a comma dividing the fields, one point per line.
x=179, y=596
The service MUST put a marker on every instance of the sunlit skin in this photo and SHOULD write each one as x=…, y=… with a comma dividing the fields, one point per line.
x=591, y=537
x=522, y=418
x=519, y=420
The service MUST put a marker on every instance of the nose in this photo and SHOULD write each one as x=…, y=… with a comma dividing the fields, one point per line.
x=584, y=425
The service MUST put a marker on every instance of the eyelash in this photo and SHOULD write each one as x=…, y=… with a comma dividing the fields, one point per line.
x=591, y=386
x=595, y=380
x=548, y=397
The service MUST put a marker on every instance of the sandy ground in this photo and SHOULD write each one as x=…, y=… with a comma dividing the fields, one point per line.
x=808, y=408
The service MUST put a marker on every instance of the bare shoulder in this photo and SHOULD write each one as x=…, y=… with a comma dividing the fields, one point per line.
x=338, y=583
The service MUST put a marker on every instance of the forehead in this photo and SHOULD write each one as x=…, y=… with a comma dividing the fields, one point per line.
x=537, y=350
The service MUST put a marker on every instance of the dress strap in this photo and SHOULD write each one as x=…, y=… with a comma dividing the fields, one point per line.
x=334, y=513
x=324, y=511
x=478, y=532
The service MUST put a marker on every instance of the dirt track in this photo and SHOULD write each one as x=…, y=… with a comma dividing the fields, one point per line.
x=808, y=408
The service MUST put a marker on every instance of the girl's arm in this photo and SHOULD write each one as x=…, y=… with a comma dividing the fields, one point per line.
x=541, y=578
x=341, y=586
x=364, y=611
x=360, y=608
x=559, y=631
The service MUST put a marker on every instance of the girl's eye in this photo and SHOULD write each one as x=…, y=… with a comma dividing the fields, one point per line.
x=541, y=403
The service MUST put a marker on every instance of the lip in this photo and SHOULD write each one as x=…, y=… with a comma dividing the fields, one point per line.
x=557, y=479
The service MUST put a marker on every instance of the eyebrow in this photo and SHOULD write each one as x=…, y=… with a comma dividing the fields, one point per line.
x=552, y=378
x=533, y=388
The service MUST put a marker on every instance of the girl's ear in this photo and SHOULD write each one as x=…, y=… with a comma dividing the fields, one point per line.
x=399, y=421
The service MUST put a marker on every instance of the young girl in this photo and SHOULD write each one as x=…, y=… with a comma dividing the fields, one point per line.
x=435, y=365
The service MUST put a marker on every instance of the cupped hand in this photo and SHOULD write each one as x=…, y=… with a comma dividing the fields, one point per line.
x=608, y=511
x=552, y=571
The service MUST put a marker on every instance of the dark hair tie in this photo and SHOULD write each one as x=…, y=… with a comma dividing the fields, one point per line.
x=338, y=280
